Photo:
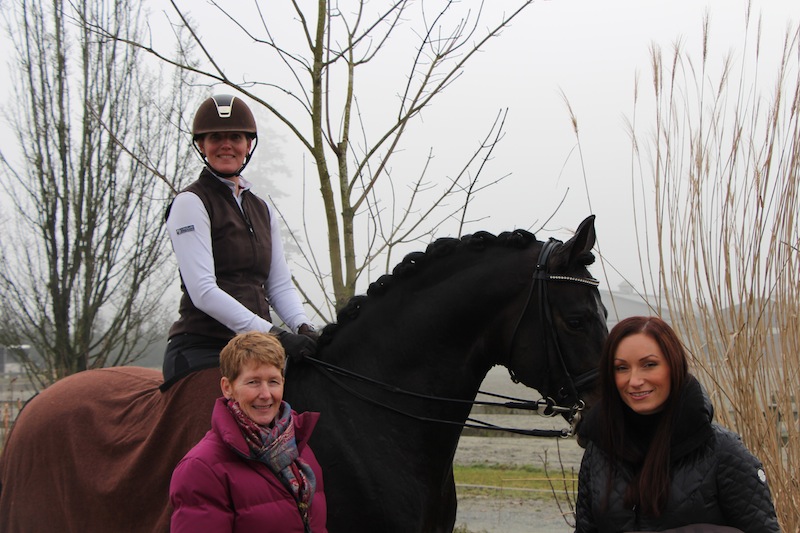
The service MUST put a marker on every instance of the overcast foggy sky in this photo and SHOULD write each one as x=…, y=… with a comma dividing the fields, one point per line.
x=591, y=50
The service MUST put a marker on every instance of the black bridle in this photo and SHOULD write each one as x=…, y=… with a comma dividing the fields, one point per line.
x=541, y=275
x=546, y=407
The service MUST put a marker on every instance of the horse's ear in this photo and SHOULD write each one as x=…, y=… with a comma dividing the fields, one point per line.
x=581, y=244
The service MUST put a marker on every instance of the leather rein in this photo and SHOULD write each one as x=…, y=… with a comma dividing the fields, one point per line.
x=546, y=407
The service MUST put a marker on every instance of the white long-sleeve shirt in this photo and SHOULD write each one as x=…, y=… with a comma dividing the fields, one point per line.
x=196, y=263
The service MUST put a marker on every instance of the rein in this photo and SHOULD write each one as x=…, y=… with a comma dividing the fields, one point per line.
x=546, y=407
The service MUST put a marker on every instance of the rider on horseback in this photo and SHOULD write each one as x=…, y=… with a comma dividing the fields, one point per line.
x=229, y=250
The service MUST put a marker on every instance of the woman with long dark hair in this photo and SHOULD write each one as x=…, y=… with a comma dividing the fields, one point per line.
x=654, y=459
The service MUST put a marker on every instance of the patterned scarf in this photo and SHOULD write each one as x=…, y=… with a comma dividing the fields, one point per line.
x=276, y=447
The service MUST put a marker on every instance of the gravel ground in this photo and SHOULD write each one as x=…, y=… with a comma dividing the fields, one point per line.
x=510, y=515
x=534, y=451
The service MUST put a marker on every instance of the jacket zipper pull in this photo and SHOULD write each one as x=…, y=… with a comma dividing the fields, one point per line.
x=247, y=218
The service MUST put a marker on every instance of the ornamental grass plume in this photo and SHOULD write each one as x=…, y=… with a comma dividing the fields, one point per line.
x=718, y=236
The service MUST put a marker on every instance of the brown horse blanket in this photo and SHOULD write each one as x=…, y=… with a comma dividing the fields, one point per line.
x=120, y=438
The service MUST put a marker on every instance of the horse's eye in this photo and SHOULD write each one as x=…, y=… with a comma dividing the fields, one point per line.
x=574, y=323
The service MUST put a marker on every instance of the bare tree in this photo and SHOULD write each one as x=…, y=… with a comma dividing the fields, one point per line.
x=313, y=68
x=78, y=272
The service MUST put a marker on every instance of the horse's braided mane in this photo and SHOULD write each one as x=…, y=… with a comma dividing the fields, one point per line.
x=416, y=262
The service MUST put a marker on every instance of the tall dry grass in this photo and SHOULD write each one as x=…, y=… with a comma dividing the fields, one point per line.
x=718, y=237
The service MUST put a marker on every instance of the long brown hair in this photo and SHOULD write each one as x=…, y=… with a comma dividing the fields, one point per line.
x=649, y=489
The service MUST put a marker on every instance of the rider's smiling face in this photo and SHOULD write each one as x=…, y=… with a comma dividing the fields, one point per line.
x=225, y=151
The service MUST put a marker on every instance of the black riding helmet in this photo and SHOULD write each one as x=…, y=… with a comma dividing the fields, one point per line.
x=224, y=113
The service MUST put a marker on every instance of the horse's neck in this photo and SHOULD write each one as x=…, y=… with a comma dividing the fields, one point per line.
x=436, y=331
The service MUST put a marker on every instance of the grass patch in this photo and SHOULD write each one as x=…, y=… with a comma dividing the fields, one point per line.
x=518, y=482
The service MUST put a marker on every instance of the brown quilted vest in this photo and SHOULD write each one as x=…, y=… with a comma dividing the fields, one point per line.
x=242, y=248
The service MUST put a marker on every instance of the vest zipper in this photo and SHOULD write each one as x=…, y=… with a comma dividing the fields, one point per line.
x=246, y=217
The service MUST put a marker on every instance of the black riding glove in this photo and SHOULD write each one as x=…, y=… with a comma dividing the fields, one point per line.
x=297, y=346
x=309, y=331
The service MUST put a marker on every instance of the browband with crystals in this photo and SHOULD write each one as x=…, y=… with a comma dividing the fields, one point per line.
x=588, y=281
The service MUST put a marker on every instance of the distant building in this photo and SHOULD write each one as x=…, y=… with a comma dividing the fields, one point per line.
x=8, y=363
x=625, y=301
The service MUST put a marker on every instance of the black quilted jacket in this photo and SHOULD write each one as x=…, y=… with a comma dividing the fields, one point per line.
x=715, y=479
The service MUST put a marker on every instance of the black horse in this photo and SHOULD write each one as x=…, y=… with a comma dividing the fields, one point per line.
x=433, y=329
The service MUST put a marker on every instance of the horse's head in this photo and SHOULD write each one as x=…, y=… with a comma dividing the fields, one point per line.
x=563, y=320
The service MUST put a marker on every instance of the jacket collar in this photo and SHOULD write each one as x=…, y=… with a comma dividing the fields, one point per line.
x=225, y=426
x=208, y=175
x=693, y=417
x=691, y=426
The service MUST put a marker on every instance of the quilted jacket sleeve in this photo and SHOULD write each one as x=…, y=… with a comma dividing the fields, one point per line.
x=584, y=521
x=199, y=499
x=744, y=495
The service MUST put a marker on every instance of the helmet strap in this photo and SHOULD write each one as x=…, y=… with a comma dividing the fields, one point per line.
x=226, y=174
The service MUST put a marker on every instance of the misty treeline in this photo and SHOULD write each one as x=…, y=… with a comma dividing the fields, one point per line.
x=83, y=253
